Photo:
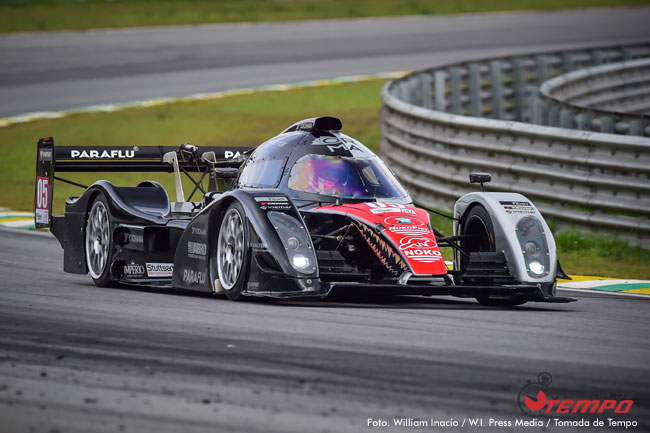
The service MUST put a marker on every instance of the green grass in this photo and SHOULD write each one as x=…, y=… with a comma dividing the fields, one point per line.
x=589, y=254
x=248, y=120
x=45, y=15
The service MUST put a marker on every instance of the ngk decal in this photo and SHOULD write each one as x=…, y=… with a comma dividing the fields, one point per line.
x=420, y=249
x=42, y=199
x=104, y=154
x=379, y=207
x=406, y=225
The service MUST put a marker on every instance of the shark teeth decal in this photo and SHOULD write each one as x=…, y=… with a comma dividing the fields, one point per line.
x=391, y=260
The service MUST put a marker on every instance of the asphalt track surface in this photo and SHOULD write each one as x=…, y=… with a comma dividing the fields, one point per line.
x=77, y=358
x=70, y=69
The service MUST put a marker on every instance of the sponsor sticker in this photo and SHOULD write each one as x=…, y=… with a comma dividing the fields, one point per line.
x=133, y=270
x=334, y=143
x=406, y=225
x=198, y=231
x=276, y=203
x=45, y=155
x=102, y=154
x=41, y=216
x=517, y=207
x=274, y=199
x=135, y=239
x=259, y=246
x=379, y=208
x=197, y=250
x=160, y=270
x=190, y=276
x=420, y=249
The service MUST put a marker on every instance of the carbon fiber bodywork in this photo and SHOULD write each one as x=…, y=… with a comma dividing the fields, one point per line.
x=298, y=244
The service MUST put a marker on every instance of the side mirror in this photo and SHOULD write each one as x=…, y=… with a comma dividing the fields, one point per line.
x=480, y=178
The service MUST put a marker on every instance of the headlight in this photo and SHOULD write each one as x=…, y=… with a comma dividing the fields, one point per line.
x=296, y=242
x=536, y=267
x=532, y=240
x=532, y=248
x=293, y=243
x=300, y=262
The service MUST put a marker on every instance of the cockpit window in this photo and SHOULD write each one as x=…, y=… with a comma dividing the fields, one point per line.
x=262, y=173
x=344, y=177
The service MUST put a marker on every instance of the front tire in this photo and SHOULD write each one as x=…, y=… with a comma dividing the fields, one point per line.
x=233, y=252
x=479, y=224
x=98, y=242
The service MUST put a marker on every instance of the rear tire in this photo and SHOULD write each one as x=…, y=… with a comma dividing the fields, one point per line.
x=233, y=257
x=98, y=242
x=479, y=223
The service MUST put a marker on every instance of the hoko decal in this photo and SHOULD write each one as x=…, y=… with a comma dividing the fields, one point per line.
x=420, y=249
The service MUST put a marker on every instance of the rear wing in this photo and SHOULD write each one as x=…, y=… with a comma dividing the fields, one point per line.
x=166, y=159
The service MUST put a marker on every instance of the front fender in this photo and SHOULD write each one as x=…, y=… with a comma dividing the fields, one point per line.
x=264, y=237
x=507, y=211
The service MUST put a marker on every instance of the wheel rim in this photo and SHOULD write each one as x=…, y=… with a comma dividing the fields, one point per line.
x=230, y=251
x=97, y=240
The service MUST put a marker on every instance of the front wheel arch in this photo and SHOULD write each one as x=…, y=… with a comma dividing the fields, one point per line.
x=476, y=220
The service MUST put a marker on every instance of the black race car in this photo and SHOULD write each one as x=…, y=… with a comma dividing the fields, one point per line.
x=306, y=212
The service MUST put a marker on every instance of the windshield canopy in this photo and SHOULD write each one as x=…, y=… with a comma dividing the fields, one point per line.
x=344, y=177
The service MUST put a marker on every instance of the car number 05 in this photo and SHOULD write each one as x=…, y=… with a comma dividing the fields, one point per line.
x=42, y=189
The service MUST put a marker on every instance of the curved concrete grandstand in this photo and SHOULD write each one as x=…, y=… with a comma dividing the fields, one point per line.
x=440, y=124
x=612, y=98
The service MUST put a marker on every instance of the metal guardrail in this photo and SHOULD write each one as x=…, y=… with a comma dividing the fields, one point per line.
x=433, y=137
x=608, y=98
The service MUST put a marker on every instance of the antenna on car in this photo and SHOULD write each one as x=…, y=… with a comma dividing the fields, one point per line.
x=480, y=178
